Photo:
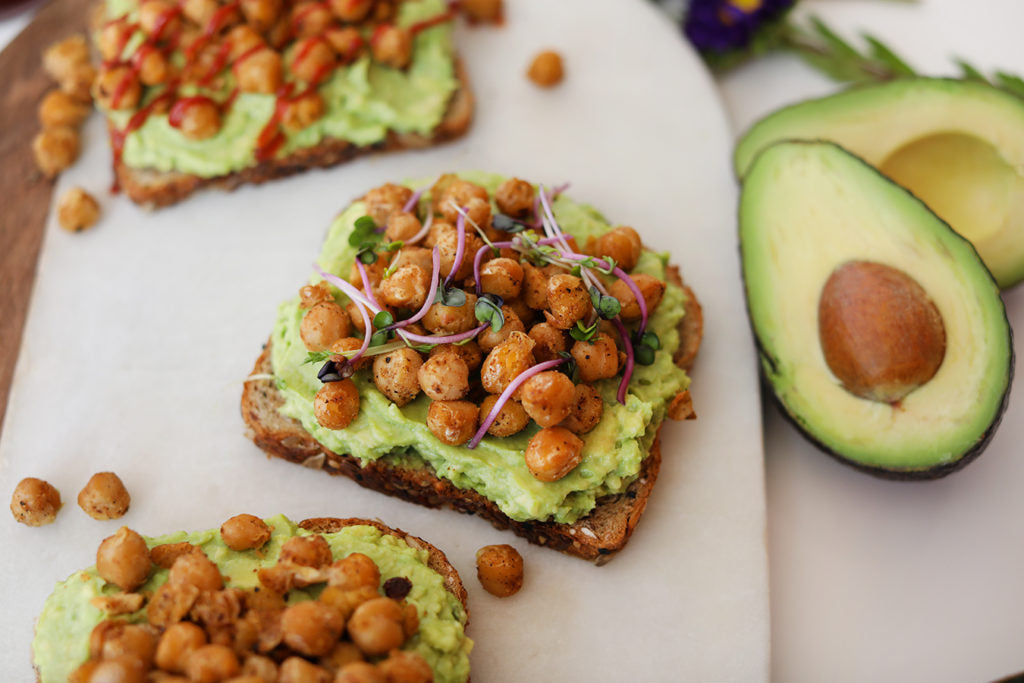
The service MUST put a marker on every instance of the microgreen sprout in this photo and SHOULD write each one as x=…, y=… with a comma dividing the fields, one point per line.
x=506, y=223
x=645, y=347
x=450, y=296
x=363, y=230
x=383, y=319
x=607, y=306
x=317, y=357
x=366, y=254
x=582, y=332
x=488, y=310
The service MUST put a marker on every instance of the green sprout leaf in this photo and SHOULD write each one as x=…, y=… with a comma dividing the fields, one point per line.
x=606, y=306
x=363, y=230
x=317, y=357
x=582, y=332
x=451, y=296
x=567, y=369
x=394, y=246
x=506, y=223
x=383, y=319
x=650, y=340
x=576, y=270
x=644, y=355
x=488, y=310
x=366, y=254
x=381, y=337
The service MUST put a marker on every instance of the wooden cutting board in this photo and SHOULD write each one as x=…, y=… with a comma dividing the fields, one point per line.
x=25, y=191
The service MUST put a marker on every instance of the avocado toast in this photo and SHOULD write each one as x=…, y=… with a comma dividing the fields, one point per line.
x=338, y=564
x=199, y=94
x=470, y=432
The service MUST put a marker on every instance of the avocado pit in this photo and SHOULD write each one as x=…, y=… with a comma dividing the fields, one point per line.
x=881, y=334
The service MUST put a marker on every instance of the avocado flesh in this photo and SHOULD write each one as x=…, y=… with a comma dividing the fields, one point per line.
x=958, y=146
x=807, y=208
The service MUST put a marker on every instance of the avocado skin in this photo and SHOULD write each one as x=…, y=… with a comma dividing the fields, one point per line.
x=937, y=471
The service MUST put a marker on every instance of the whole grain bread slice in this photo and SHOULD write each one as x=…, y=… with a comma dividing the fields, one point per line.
x=595, y=537
x=154, y=189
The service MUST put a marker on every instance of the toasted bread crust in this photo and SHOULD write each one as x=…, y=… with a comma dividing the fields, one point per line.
x=155, y=189
x=596, y=537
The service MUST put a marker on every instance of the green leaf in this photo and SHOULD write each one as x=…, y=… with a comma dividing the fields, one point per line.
x=317, y=357
x=380, y=337
x=650, y=340
x=567, y=369
x=506, y=223
x=363, y=229
x=581, y=332
x=1010, y=83
x=451, y=296
x=394, y=246
x=644, y=355
x=383, y=319
x=839, y=47
x=488, y=310
x=367, y=256
x=884, y=55
x=606, y=306
x=969, y=72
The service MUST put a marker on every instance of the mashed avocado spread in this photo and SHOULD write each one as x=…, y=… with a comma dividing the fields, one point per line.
x=363, y=101
x=612, y=452
x=62, y=631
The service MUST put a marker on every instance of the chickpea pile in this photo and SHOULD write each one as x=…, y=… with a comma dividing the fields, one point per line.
x=198, y=629
x=540, y=304
x=63, y=109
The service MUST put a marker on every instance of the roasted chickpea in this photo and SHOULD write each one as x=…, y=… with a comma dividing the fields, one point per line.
x=347, y=345
x=443, y=319
x=402, y=226
x=502, y=276
x=444, y=377
x=351, y=11
x=61, y=109
x=469, y=352
x=457, y=195
x=302, y=111
x=299, y=670
x=651, y=288
x=507, y=361
x=414, y=256
x=345, y=600
x=244, y=532
x=550, y=341
x=79, y=81
x=242, y=39
x=311, y=628
x=546, y=69
x=478, y=213
x=60, y=57
x=385, y=200
x=514, y=197
x=312, y=58
x=548, y=397
x=311, y=295
x=552, y=453
x=407, y=287
x=622, y=244
x=323, y=325
x=153, y=67
x=196, y=569
x=587, y=409
x=120, y=669
x=511, y=419
x=196, y=119
x=211, y=664
x=199, y=12
x=392, y=46
x=262, y=14
x=568, y=300
x=113, y=638
x=104, y=496
x=453, y=422
x=437, y=228
x=447, y=242
x=159, y=18
x=395, y=375
x=360, y=672
x=346, y=41
x=535, y=287
x=342, y=654
x=336, y=404
x=482, y=10
x=308, y=551
x=356, y=570
x=123, y=560
x=113, y=37
x=261, y=666
x=35, y=502
x=519, y=307
x=259, y=72
x=55, y=149
x=77, y=210
x=376, y=626
x=176, y=644
x=406, y=667
x=310, y=18
x=489, y=339
x=499, y=569
x=596, y=359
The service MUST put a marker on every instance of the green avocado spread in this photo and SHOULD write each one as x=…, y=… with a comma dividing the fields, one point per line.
x=612, y=452
x=62, y=631
x=362, y=102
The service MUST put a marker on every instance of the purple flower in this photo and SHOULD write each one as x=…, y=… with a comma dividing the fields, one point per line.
x=718, y=26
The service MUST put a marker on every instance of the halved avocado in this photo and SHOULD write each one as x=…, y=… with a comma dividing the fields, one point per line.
x=880, y=331
x=957, y=145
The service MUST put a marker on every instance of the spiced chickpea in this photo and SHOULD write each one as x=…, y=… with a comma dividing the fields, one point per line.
x=502, y=276
x=478, y=213
x=311, y=628
x=322, y=325
x=511, y=419
x=395, y=375
x=534, y=290
x=385, y=200
x=437, y=228
x=448, y=247
x=360, y=672
x=546, y=69
x=199, y=12
x=587, y=409
x=374, y=271
x=507, y=361
x=568, y=300
x=196, y=569
x=117, y=87
x=469, y=352
x=444, y=377
x=35, y=502
x=402, y=226
x=596, y=359
x=299, y=670
x=302, y=111
x=311, y=295
x=548, y=397
x=77, y=210
x=349, y=346
x=499, y=569
x=104, y=496
x=336, y=404
x=211, y=664
x=442, y=319
x=488, y=339
x=622, y=244
x=550, y=341
x=113, y=37
x=453, y=422
x=244, y=532
x=308, y=551
x=392, y=46
x=279, y=35
x=651, y=288
x=123, y=560
x=262, y=14
x=153, y=67
x=376, y=626
x=196, y=119
x=58, y=108
x=355, y=570
x=552, y=453
x=259, y=72
x=159, y=18
x=413, y=256
x=347, y=42
x=242, y=39
x=457, y=195
x=120, y=669
x=79, y=81
x=310, y=18
x=60, y=57
x=261, y=666
x=55, y=149
x=312, y=58
x=514, y=197
x=407, y=667
x=407, y=287
x=176, y=644
x=519, y=307
x=115, y=638
x=351, y=11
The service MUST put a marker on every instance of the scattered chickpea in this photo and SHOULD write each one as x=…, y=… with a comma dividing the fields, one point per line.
x=385, y=200
x=199, y=120
x=104, y=497
x=79, y=81
x=568, y=300
x=550, y=341
x=407, y=667
x=55, y=149
x=309, y=551
x=347, y=345
x=622, y=244
x=506, y=362
x=196, y=569
x=58, y=108
x=482, y=10
x=376, y=626
x=211, y=663
x=552, y=453
x=311, y=628
x=116, y=638
x=158, y=15
x=651, y=288
x=519, y=307
x=324, y=324
x=244, y=532
x=407, y=287
x=311, y=295
x=310, y=18
x=351, y=11
x=453, y=422
x=458, y=193
x=499, y=569
x=511, y=419
x=346, y=41
x=514, y=197
x=442, y=319
x=395, y=374
x=299, y=670
x=401, y=226
x=548, y=397
x=154, y=68
x=392, y=46
x=61, y=57
x=447, y=242
x=261, y=666
x=199, y=12
x=587, y=409
x=488, y=339
x=478, y=213
x=262, y=14
x=534, y=290
x=303, y=111
x=35, y=502
x=77, y=210
x=444, y=377
x=176, y=644
x=123, y=560
x=502, y=276
x=360, y=672
x=355, y=571
x=113, y=37
x=546, y=69
x=596, y=359
x=469, y=352
x=336, y=404
x=311, y=58
x=121, y=669
x=259, y=72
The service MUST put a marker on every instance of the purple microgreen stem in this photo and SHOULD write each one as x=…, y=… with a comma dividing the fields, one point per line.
x=413, y=200
x=366, y=286
x=435, y=274
x=460, y=249
x=447, y=339
x=627, y=372
x=360, y=303
x=507, y=394
x=425, y=229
